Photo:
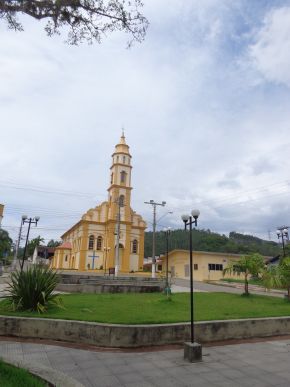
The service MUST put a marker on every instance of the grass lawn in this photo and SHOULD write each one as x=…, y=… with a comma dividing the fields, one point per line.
x=14, y=377
x=153, y=308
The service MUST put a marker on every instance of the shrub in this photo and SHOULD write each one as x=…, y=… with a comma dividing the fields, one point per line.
x=33, y=289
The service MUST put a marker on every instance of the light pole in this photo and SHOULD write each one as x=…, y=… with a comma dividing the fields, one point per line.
x=29, y=221
x=282, y=232
x=154, y=204
x=167, y=232
x=192, y=350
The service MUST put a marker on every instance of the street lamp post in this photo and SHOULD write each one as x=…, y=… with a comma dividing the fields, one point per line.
x=29, y=221
x=192, y=350
x=282, y=232
x=167, y=232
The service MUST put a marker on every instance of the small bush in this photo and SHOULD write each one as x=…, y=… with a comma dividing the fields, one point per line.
x=33, y=289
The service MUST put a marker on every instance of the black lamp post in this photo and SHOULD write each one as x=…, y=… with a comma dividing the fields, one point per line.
x=192, y=350
x=29, y=221
x=282, y=233
x=167, y=232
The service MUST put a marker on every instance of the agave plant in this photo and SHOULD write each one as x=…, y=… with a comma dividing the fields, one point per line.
x=33, y=289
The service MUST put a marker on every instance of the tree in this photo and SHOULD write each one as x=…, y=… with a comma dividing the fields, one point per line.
x=248, y=265
x=5, y=243
x=34, y=243
x=53, y=243
x=85, y=20
x=278, y=276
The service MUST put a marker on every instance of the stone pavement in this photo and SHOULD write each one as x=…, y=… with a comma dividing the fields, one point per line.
x=262, y=364
x=206, y=287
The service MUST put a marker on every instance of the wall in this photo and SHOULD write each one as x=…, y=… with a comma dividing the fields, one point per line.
x=179, y=258
x=115, y=335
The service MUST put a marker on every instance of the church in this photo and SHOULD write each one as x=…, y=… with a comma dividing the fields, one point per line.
x=110, y=235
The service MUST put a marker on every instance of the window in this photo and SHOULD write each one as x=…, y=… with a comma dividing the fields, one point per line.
x=123, y=177
x=186, y=270
x=195, y=266
x=99, y=243
x=65, y=258
x=135, y=246
x=91, y=242
x=117, y=159
x=121, y=200
x=124, y=159
x=112, y=178
x=215, y=267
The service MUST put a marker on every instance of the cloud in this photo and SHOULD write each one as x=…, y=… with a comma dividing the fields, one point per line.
x=270, y=52
x=202, y=128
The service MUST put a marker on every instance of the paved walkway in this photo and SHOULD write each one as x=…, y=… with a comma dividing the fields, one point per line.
x=263, y=364
x=205, y=287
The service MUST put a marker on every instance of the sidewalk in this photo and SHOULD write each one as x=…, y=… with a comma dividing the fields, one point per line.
x=263, y=364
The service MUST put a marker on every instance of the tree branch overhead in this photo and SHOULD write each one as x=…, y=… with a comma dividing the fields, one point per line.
x=86, y=20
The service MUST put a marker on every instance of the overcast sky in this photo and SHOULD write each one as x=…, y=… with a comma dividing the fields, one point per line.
x=204, y=101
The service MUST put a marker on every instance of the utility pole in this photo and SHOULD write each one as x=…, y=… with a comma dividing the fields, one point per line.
x=24, y=217
x=1, y=213
x=29, y=221
x=117, y=233
x=154, y=204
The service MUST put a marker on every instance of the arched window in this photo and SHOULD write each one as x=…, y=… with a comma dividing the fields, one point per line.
x=117, y=159
x=91, y=242
x=123, y=177
x=124, y=159
x=121, y=200
x=135, y=246
x=99, y=243
x=112, y=178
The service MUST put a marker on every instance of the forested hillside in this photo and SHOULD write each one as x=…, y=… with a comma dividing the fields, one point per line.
x=205, y=240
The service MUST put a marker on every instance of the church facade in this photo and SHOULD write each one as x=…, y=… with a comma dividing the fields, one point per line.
x=110, y=235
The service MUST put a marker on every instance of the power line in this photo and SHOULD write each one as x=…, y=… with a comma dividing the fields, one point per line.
x=47, y=190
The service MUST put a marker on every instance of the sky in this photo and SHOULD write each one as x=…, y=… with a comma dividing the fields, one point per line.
x=204, y=101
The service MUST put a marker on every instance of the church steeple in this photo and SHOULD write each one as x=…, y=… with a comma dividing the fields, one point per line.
x=121, y=148
x=120, y=186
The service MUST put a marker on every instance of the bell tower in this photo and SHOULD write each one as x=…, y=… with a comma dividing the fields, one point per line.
x=120, y=183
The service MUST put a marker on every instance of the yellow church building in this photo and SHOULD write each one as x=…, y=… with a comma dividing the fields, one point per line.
x=110, y=235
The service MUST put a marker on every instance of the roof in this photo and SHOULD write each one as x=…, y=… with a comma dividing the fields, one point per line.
x=122, y=147
x=49, y=249
x=209, y=253
x=65, y=245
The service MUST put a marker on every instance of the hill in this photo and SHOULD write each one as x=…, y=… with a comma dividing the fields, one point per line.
x=205, y=240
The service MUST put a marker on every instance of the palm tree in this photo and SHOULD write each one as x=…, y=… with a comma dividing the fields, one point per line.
x=248, y=265
x=278, y=276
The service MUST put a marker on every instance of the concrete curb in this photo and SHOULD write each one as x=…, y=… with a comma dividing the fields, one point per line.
x=55, y=378
x=133, y=336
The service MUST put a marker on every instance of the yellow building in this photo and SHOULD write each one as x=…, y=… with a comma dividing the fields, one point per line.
x=207, y=266
x=99, y=240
